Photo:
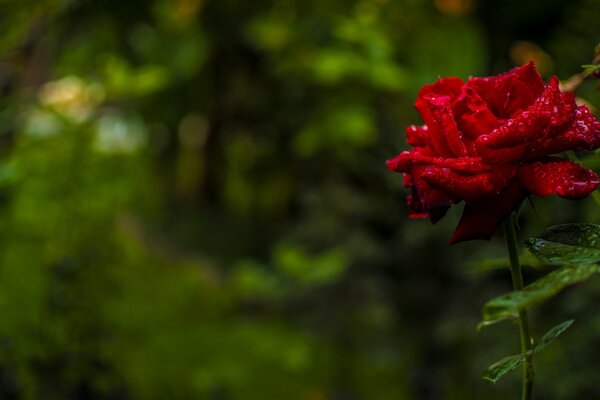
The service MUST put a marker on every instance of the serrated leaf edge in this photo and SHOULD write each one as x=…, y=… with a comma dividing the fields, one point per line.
x=517, y=359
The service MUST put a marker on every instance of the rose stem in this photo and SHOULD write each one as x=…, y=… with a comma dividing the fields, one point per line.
x=517, y=280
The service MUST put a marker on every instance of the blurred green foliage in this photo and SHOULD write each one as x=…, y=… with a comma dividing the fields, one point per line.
x=194, y=202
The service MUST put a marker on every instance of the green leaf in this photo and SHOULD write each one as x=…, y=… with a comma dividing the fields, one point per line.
x=508, y=306
x=507, y=364
x=552, y=334
x=568, y=244
x=591, y=67
x=500, y=368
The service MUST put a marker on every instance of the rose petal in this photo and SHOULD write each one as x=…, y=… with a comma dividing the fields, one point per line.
x=443, y=87
x=444, y=117
x=509, y=92
x=587, y=128
x=424, y=201
x=553, y=175
x=417, y=136
x=469, y=187
x=407, y=180
x=520, y=96
x=549, y=113
x=403, y=161
x=465, y=165
x=502, y=155
x=436, y=142
x=582, y=134
x=406, y=159
x=445, y=138
x=416, y=210
x=450, y=87
x=480, y=219
x=473, y=116
x=551, y=125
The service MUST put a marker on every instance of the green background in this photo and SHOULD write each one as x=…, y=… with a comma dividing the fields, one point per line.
x=194, y=202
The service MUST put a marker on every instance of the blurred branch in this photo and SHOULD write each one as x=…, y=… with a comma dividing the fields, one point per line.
x=24, y=67
x=573, y=83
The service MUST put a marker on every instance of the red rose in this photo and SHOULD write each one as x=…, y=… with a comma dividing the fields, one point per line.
x=487, y=142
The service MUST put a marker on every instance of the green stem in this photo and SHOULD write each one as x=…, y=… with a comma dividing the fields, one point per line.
x=517, y=279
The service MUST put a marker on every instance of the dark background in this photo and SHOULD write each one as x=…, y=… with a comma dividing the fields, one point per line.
x=194, y=202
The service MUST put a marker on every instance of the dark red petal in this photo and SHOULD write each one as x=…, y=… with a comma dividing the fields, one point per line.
x=444, y=137
x=415, y=208
x=553, y=175
x=450, y=87
x=394, y=164
x=549, y=112
x=444, y=87
x=468, y=187
x=406, y=159
x=436, y=141
x=407, y=180
x=425, y=201
x=417, y=136
x=504, y=155
x=586, y=127
x=443, y=117
x=509, y=92
x=480, y=219
x=473, y=116
x=520, y=96
x=403, y=161
x=466, y=165
x=582, y=134
x=540, y=130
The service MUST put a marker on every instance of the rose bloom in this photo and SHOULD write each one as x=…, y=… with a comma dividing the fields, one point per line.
x=488, y=142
